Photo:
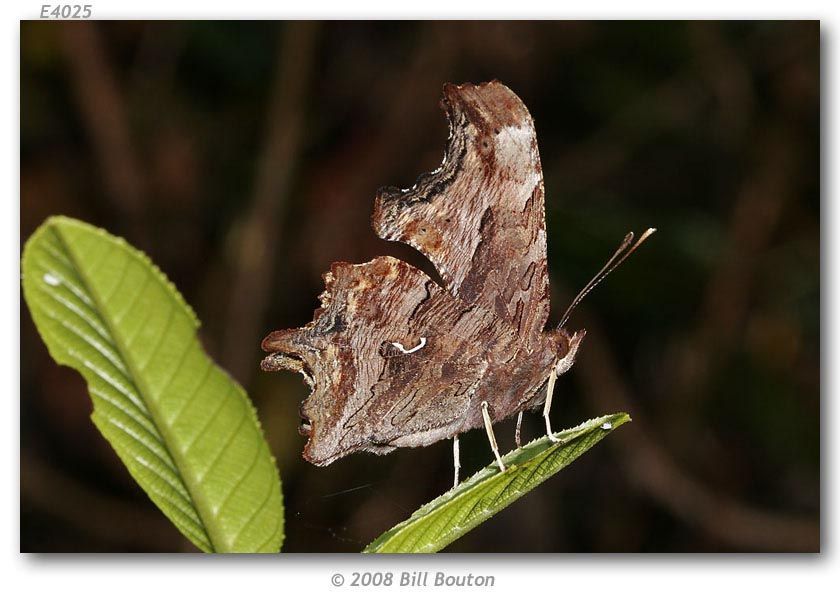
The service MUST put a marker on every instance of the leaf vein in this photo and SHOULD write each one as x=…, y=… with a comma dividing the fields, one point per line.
x=242, y=478
x=185, y=403
x=216, y=412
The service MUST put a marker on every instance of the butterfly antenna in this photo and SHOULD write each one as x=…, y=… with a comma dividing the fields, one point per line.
x=616, y=259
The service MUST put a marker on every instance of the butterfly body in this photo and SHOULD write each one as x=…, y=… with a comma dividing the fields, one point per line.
x=395, y=359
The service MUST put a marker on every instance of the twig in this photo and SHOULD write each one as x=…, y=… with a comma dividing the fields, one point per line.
x=109, y=519
x=257, y=234
x=102, y=106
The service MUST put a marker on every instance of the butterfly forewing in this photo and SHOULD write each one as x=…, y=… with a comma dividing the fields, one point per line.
x=480, y=217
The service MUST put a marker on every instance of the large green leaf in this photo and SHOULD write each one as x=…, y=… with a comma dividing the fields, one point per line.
x=448, y=517
x=186, y=431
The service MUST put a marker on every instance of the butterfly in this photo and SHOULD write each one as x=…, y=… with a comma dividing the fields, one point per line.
x=394, y=359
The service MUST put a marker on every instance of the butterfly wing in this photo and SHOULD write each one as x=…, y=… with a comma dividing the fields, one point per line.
x=480, y=217
x=366, y=356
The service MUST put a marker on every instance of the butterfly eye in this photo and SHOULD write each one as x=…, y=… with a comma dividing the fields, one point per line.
x=562, y=343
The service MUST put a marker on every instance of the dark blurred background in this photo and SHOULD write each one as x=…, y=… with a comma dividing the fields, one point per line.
x=244, y=159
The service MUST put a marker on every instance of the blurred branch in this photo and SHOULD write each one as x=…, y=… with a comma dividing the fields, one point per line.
x=114, y=521
x=156, y=59
x=256, y=236
x=753, y=220
x=650, y=468
x=403, y=100
x=103, y=112
x=673, y=103
x=755, y=215
x=717, y=73
x=728, y=78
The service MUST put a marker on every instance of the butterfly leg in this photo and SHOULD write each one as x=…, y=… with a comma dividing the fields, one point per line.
x=549, y=392
x=456, y=455
x=518, y=436
x=488, y=425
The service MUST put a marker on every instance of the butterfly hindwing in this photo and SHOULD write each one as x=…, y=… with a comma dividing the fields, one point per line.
x=392, y=359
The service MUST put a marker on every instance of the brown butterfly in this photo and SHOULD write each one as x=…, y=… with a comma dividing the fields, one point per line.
x=394, y=359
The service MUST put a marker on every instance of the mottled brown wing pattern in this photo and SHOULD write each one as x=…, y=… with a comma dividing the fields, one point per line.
x=366, y=356
x=480, y=217
x=392, y=358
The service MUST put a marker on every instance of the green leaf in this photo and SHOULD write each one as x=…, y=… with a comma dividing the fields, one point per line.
x=184, y=429
x=448, y=517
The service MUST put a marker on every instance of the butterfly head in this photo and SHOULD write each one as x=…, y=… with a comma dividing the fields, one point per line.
x=566, y=348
